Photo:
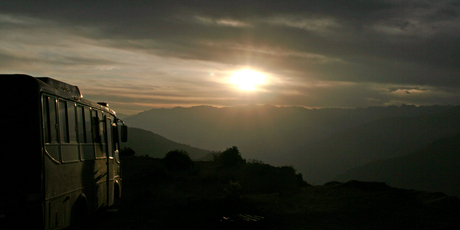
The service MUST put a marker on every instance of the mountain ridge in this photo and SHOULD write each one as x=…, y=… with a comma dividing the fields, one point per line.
x=434, y=168
x=215, y=128
x=378, y=140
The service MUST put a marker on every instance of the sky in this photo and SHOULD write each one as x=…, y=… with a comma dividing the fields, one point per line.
x=138, y=55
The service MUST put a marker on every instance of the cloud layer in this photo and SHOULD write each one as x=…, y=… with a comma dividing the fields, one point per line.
x=142, y=54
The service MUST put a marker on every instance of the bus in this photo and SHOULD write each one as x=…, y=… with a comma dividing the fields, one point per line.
x=59, y=159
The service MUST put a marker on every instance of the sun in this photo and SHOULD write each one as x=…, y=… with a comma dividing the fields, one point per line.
x=247, y=79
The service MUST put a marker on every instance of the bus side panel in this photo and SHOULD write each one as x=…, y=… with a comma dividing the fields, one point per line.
x=66, y=183
x=62, y=188
x=100, y=178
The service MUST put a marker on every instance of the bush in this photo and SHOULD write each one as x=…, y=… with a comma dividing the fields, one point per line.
x=177, y=160
x=215, y=156
x=127, y=151
x=264, y=178
x=230, y=157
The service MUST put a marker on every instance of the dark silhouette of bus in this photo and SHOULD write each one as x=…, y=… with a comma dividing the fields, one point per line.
x=59, y=159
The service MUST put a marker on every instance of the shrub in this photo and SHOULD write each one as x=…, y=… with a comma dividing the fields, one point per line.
x=230, y=157
x=264, y=178
x=255, y=161
x=233, y=190
x=177, y=160
x=215, y=156
x=127, y=151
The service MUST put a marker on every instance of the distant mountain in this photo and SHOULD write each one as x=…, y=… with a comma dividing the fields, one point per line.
x=147, y=143
x=319, y=143
x=261, y=131
x=382, y=139
x=434, y=168
x=122, y=116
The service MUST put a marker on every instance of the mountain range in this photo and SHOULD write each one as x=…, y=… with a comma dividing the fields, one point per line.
x=381, y=139
x=320, y=143
x=434, y=168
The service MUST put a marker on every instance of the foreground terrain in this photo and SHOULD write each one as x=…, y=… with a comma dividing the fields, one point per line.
x=254, y=196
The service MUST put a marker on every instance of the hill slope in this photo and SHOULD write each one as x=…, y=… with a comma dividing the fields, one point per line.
x=435, y=168
x=147, y=143
x=385, y=138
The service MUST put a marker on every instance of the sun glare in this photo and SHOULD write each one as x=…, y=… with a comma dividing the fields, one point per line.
x=247, y=79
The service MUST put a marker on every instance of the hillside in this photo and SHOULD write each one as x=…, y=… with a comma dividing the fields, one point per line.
x=147, y=143
x=382, y=139
x=434, y=168
x=209, y=197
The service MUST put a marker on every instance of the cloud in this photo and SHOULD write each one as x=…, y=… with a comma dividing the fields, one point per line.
x=180, y=52
x=321, y=26
x=219, y=22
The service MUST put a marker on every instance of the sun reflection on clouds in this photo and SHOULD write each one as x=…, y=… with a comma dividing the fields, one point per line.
x=408, y=91
x=247, y=79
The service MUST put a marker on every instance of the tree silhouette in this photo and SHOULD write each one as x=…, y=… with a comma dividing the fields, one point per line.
x=230, y=157
x=177, y=160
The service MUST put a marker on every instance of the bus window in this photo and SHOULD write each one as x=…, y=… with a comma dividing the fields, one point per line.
x=63, y=121
x=98, y=128
x=46, y=120
x=102, y=133
x=81, y=124
x=50, y=127
x=89, y=134
x=95, y=126
x=53, y=121
x=85, y=136
x=109, y=133
x=101, y=127
x=69, y=146
x=72, y=123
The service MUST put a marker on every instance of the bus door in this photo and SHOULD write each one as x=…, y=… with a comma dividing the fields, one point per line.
x=110, y=161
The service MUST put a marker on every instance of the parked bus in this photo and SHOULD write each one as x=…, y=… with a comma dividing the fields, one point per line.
x=59, y=158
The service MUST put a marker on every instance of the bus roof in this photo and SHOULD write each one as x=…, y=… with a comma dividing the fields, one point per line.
x=72, y=90
x=57, y=88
